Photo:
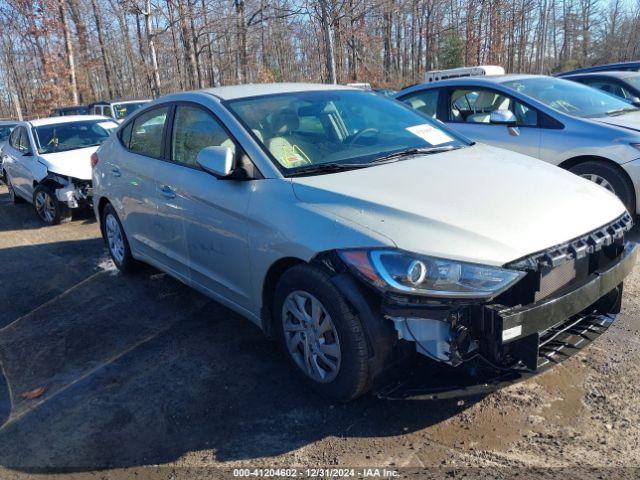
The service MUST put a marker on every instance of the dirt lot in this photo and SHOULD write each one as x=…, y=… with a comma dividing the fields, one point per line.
x=142, y=375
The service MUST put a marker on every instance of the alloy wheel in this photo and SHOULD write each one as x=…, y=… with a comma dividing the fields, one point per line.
x=45, y=206
x=115, y=237
x=598, y=180
x=311, y=336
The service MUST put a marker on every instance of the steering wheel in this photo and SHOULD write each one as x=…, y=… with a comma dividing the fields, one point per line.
x=361, y=133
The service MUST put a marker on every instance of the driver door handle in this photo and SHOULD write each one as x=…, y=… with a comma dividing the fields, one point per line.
x=116, y=172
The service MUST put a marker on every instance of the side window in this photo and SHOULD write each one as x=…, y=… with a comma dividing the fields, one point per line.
x=193, y=130
x=525, y=116
x=125, y=134
x=425, y=101
x=611, y=87
x=23, y=144
x=147, y=133
x=14, y=139
x=107, y=111
x=476, y=105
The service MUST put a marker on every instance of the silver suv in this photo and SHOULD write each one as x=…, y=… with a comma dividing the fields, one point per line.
x=584, y=130
x=360, y=234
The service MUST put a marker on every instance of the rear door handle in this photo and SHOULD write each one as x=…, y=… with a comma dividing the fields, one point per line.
x=116, y=172
x=167, y=192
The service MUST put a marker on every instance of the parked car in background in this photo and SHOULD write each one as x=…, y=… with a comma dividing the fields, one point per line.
x=619, y=66
x=47, y=162
x=579, y=128
x=6, y=127
x=358, y=232
x=116, y=110
x=625, y=85
x=69, y=111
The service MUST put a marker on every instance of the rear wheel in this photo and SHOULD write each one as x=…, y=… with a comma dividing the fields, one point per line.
x=610, y=178
x=116, y=240
x=320, y=335
x=48, y=208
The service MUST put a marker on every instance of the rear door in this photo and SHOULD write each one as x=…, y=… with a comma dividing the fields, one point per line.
x=214, y=210
x=467, y=109
x=131, y=179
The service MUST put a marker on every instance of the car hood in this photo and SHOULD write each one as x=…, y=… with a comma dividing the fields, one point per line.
x=630, y=121
x=480, y=204
x=74, y=163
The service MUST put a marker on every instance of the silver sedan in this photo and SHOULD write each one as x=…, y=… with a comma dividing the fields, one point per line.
x=577, y=127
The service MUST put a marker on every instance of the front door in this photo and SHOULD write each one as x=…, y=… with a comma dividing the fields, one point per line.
x=469, y=109
x=214, y=210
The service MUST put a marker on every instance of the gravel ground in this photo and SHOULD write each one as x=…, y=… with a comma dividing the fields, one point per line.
x=111, y=376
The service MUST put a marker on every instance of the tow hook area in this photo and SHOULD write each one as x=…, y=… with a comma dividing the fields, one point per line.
x=436, y=339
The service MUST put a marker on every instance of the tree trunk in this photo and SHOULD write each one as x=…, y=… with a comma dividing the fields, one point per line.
x=68, y=45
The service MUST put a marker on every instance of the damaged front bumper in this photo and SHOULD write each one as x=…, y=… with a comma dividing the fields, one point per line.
x=73, y=192
x=569, y=296
x=546, y=333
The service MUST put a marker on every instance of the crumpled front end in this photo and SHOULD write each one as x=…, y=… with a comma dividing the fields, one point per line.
x=73, y=192
x=567, y=297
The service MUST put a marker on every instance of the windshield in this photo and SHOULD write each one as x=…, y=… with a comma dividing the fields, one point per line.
x=5, y=131
x=122, y=110
x=569, y=97
x=304, y=129
x=62, y=137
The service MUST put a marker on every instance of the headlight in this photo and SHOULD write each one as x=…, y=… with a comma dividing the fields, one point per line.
x=406, y=272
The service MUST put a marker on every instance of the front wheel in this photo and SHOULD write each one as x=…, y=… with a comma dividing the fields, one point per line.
x=610, y=178
x=48, y=208
x=321, y=336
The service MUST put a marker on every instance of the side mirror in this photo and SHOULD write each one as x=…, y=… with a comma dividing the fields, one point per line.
x=635, y=101
x=217, y=161
x=503, y=117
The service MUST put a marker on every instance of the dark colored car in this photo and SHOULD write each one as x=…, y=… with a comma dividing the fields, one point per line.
x=609, y=67
x=623, y=84
x=66, y=111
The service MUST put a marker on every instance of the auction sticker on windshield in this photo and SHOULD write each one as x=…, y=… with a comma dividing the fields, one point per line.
x=431, y=134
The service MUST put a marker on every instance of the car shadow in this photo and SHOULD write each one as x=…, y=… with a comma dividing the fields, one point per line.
x=126, y=371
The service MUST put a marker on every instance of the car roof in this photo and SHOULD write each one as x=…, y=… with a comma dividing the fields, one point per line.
x=479, y=80
x=67, y=119
x=603, y=68
x=605, y=73
x=234, y=92
x=4, y=123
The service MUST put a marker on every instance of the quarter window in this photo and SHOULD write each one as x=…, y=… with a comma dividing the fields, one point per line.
x=147, y=133
x=193, y=130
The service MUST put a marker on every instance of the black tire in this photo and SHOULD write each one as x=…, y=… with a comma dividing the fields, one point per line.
x=353, y=377
x=618, y=181
x=12, y=193
x=124, y=261
x=60, y=214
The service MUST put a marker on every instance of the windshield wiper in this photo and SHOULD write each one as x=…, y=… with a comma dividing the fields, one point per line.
x=341, y=167
x=413, y=151
x=326, y=168
x=621, y=111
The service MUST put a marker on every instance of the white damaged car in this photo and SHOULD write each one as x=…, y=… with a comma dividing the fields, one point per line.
x=47, y=162
x=363, y=235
